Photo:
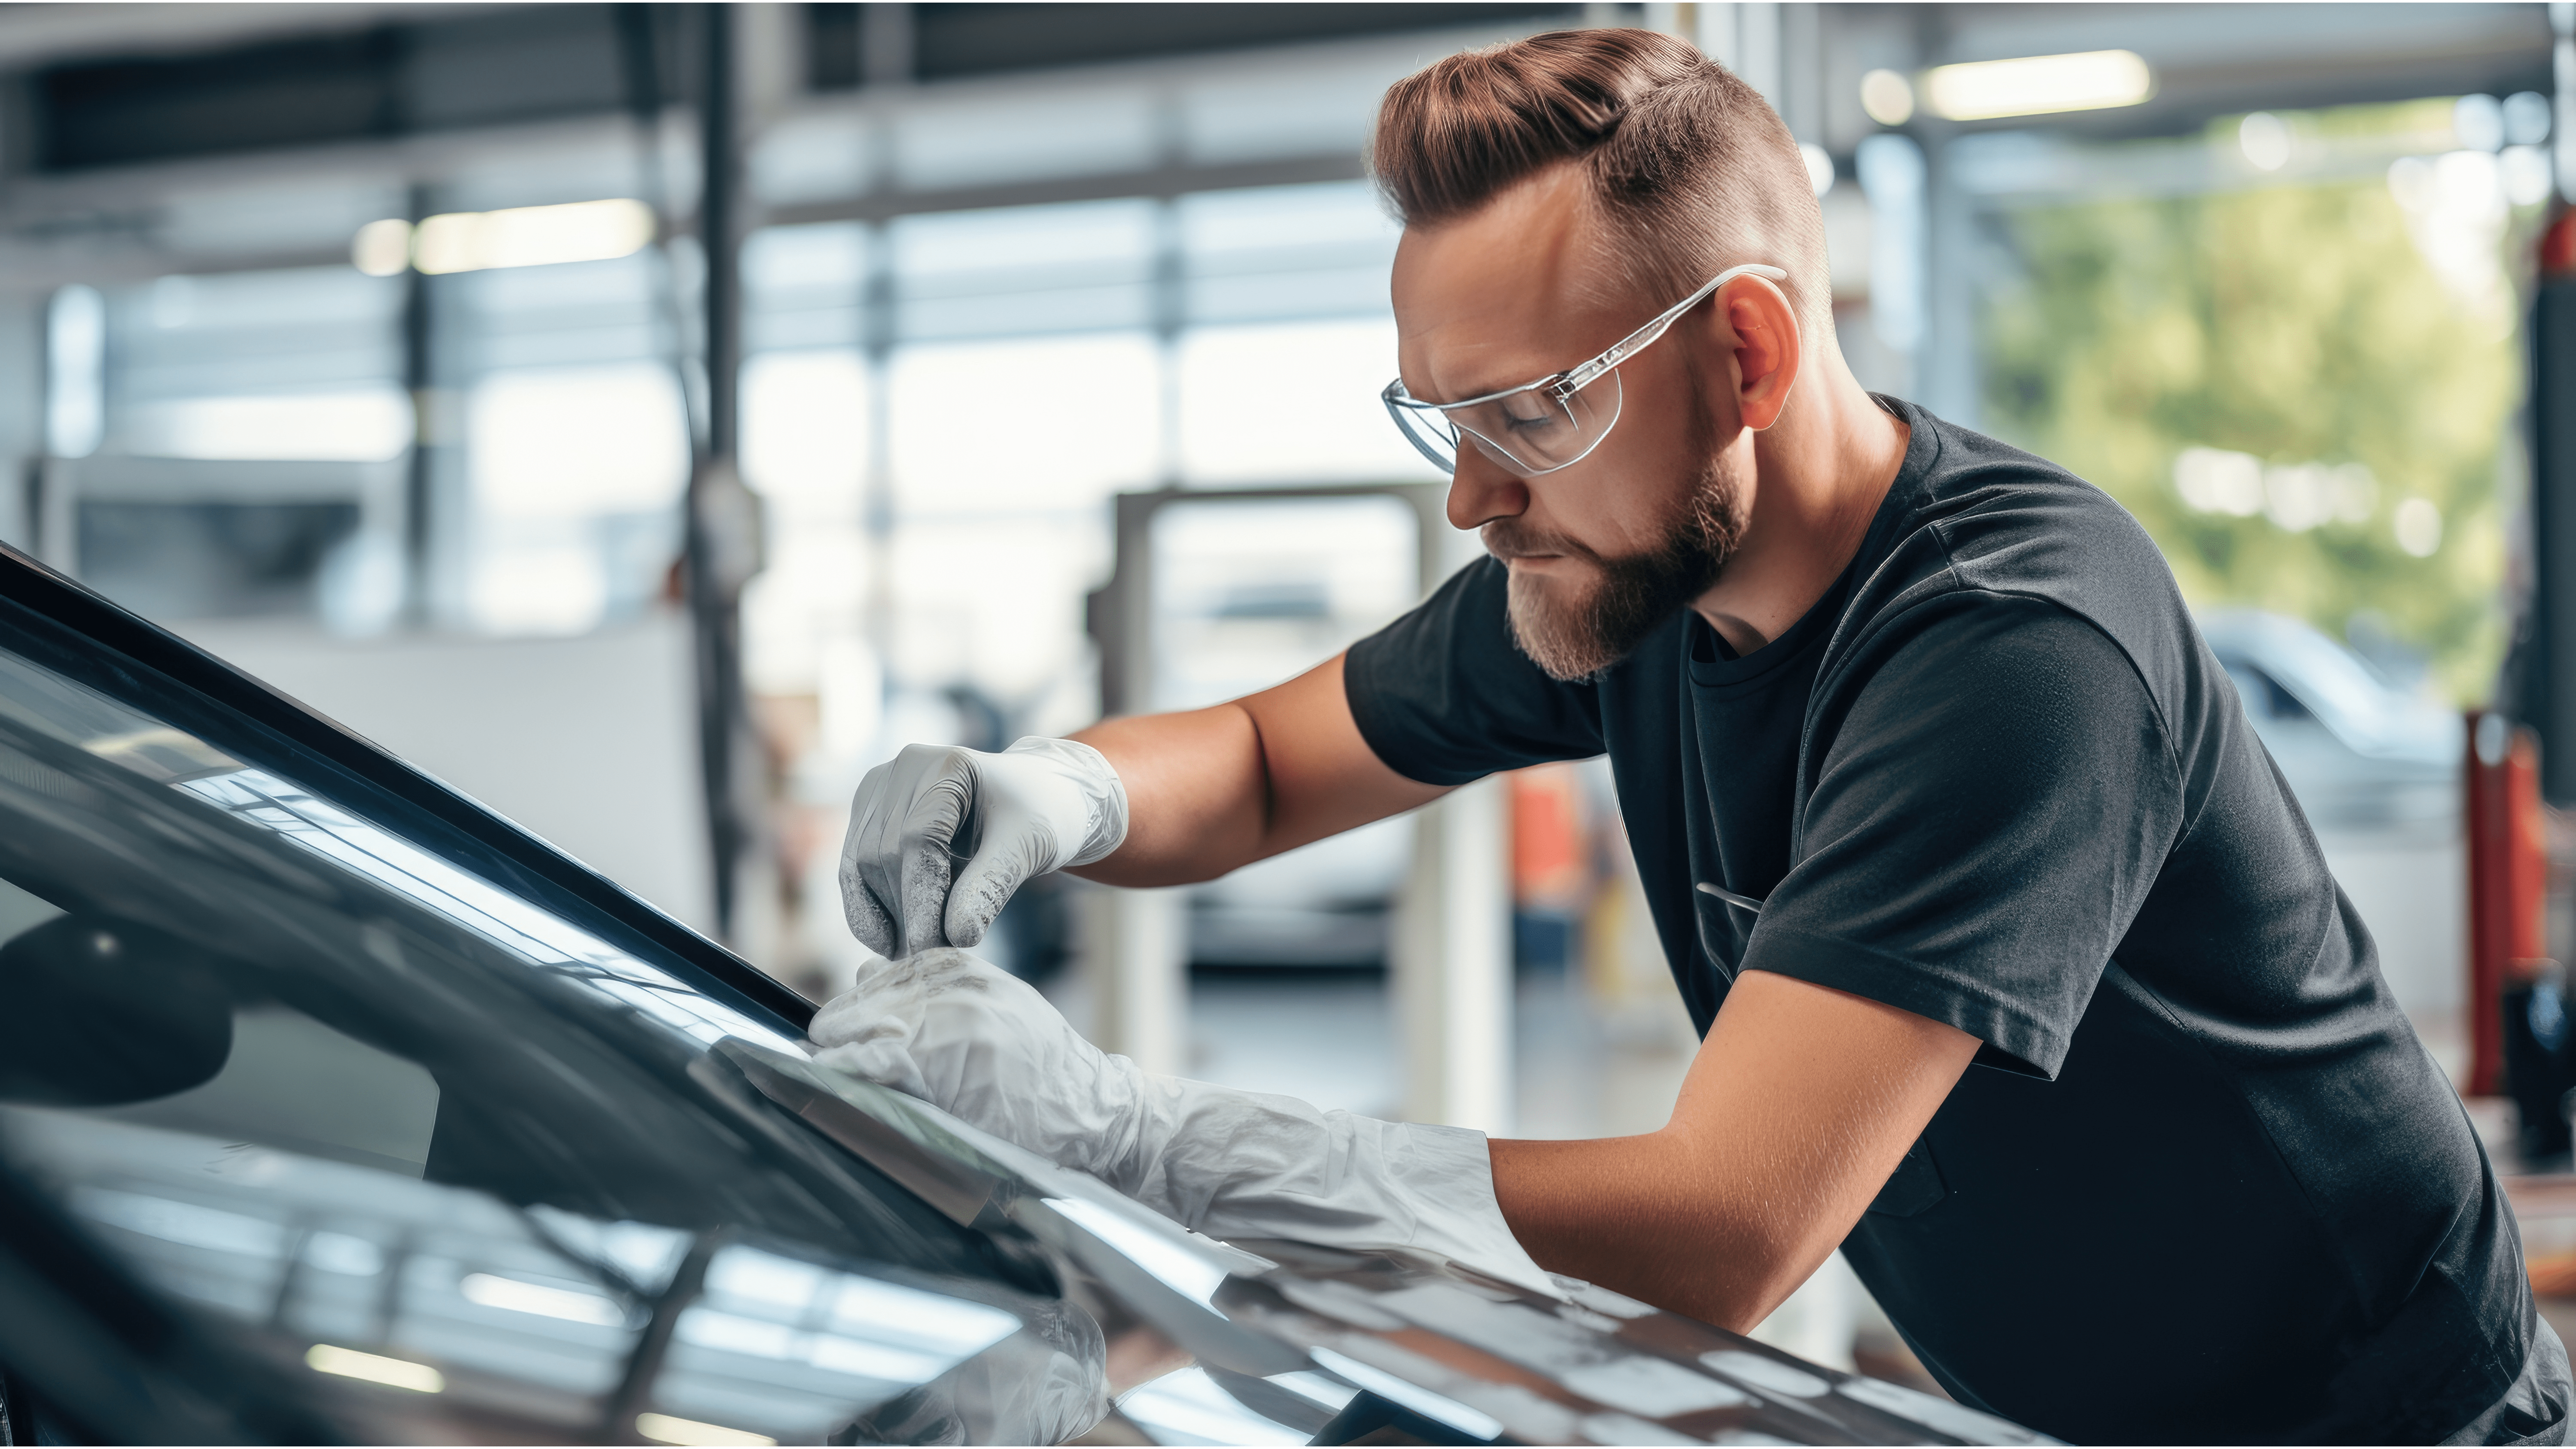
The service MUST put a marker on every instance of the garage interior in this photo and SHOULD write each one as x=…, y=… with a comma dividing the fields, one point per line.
x=650, y=418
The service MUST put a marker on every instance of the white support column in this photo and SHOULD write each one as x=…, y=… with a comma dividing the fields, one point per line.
x=1451, y=955
x=1757, y=53
x=54, y=515
x=1140, y=940
x=1714, y=29
x=1947, y=362
x=1745, y=36
x=1896, y=181
x=769, y=59
x=2562, y=60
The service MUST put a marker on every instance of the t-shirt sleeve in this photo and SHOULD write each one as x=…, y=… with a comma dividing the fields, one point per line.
x=1444, y=696
x=1994, y=806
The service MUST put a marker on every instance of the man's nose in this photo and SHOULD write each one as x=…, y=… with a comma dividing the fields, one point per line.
x=1482, y=490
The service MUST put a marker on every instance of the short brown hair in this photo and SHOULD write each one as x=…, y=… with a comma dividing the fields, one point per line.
x=1691, y=170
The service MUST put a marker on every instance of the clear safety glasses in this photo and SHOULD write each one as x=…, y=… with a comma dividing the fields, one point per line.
x=1549, y=424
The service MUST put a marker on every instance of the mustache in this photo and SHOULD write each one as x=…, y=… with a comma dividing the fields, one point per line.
x=1511, y=538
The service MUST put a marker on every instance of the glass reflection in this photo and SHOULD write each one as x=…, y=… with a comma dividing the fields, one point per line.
x=349, y=1258
x=784, y=1347
x=504, y=919
x=1188, y=1408
x=1193, y=1276
x=435, y=1149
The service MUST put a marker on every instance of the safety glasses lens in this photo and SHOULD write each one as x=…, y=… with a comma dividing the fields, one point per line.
x=1533, y=431
x=1430, y=434
x=1528, y=432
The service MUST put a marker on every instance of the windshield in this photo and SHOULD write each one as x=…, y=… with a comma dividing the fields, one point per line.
x=461, y=1165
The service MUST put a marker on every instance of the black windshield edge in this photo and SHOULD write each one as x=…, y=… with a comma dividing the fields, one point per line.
x=493, y=847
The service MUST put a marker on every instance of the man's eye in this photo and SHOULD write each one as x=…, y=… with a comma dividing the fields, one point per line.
x=1528, y=420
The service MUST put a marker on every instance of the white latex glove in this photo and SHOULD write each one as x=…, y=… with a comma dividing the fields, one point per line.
x=971, y=1038
x=1038, y=806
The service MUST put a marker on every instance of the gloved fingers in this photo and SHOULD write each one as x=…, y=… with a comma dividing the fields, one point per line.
x=881, y=1028
x=988, y=881
x=876, y=1003
x=867, y=917
x=866, y=887
x=902, y=822
x=885, y=1061
x=921, y=855
x=870, y=1029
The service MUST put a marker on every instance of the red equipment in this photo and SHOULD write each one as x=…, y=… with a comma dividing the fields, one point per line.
x=2508, y=883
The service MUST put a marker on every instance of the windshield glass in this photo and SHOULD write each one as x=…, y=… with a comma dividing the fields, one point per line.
x=459, y=1164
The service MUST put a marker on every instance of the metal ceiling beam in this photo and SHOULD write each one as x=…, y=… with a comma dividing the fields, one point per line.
x=39, y=35
x=1160, y=181
x=105, y=225
x=100, y=244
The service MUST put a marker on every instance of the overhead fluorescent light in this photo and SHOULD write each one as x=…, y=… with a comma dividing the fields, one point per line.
x=493, y=1291
x=1888, y=97
x=525, y=236
x=669, y=1429
x=2038, y=85
x=375, y=1368
x=382, y=248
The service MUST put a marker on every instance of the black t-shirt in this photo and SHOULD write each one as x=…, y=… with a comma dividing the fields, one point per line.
x=2203, y=1182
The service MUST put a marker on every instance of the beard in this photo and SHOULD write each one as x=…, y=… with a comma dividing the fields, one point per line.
x=1576, y=631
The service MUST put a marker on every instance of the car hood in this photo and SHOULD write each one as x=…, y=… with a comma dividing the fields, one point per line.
x=1456, y=1350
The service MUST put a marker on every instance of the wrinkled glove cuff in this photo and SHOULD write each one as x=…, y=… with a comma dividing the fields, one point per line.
x=1104, y=794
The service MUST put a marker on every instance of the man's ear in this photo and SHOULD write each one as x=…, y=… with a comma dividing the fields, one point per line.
x=1768, y=349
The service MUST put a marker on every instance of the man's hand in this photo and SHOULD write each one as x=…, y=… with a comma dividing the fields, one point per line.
x=1799, y=1106
x=964, y=1035
x=1038, y=806
x=967, y=1036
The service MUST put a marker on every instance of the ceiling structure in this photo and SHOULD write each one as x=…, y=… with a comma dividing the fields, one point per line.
x=123, y=131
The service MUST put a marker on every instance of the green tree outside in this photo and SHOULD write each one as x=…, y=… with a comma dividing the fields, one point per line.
x=2299, y=324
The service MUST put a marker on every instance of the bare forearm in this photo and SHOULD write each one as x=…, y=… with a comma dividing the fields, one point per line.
x=1800, y=1103
x=1212, y=789
x=1197, y=795
x=1639, y=1215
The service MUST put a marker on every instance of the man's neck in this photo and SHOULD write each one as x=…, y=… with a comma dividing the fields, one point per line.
x=1817, y=477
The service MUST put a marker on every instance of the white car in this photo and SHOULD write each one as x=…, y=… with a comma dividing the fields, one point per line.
x=2359, y=753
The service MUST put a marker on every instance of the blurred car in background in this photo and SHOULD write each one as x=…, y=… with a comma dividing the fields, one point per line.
x=335, y=1108
x=2359, y=753
x=1248, y=593
x=2377, y=770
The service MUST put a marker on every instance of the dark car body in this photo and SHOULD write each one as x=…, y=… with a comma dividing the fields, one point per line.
x=335, y=1108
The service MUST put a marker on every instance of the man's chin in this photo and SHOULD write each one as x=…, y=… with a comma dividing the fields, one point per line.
x=1576, y=613
x=1552, y=619
x=1578, y=619
x=1561, y=582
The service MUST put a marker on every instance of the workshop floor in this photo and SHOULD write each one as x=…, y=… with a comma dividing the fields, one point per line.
x=1329, y=1037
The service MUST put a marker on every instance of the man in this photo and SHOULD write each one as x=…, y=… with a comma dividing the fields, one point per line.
x=2020, y=974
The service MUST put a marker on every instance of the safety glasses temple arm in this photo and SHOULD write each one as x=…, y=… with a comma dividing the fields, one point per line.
x=1581, y=377
x=1574, y=380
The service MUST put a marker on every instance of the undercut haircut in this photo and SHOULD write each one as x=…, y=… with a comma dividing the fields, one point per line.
x=1691, y=170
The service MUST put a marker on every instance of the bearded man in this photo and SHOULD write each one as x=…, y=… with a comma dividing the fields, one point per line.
x=2020, y=976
